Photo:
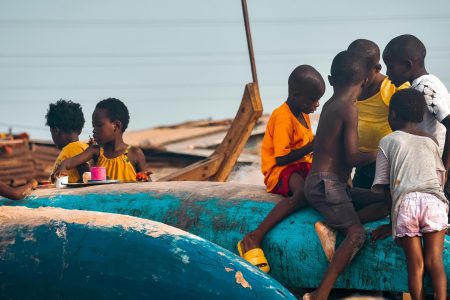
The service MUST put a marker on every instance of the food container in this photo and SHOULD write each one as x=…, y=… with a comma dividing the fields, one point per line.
x=98, y=173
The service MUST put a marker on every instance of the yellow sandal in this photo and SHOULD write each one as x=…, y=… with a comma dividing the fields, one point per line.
x=256, y=257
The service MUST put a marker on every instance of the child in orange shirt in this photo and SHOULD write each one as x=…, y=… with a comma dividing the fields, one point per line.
x=122, y=162
x=66, y=120
x=286, y=156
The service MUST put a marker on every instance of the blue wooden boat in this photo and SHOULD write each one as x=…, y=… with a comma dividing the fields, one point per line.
x=53, y=253
x=223, y=212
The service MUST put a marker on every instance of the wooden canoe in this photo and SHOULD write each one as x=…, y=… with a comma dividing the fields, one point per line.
x=223, y=212
x=54, y=253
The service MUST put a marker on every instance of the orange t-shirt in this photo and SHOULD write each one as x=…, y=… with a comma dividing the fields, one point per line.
x=284, y=133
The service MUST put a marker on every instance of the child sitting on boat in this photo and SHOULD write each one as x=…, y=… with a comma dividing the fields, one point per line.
x=66, y=121
x=110, y=119
x=410, y=171
x=335, y=154
x=286, y=156
x=372, y=106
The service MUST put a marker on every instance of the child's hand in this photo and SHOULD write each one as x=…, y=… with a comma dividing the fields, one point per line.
x=61, y=170
x=381, y=232
x=143, y=176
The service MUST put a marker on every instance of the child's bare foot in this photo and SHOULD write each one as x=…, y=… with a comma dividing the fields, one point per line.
x=250, y=242
x=327, y=237
x=309, y=296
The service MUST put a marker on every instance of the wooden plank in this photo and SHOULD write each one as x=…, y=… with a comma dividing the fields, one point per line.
x=232, y=145
x=199, y=171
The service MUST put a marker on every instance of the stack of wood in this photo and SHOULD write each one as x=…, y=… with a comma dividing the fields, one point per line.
x=44, y=157
x=16, y=162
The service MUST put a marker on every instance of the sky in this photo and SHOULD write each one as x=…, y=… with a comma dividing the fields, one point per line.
x=174, y=61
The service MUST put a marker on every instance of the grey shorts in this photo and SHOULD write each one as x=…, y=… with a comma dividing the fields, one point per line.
x=331, y=197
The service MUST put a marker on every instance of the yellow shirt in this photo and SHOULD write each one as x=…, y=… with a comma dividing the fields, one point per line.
x=284, y=133
x=118, y=168
x=71, y=150
x=373, y=116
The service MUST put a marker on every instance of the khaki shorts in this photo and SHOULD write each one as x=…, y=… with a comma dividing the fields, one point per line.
x=331, y=197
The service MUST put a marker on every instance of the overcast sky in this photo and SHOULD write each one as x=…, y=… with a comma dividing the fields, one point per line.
x=172, y=61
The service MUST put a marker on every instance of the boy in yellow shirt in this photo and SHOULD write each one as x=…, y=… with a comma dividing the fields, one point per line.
x=66, y=120
x=373, y=108
x=286, y=156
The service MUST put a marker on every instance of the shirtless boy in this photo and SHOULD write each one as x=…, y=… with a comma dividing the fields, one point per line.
x=335, y=154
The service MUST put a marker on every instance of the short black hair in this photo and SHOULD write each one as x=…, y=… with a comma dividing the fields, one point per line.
x=406, y=47
x=348, y=68
x=116, y=110
x=305, y=79
x=409, y=104
x=366, y=49
x=65, y=115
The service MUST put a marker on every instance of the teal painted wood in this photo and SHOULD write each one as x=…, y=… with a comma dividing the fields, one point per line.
x=52, y=253
x=224, y=212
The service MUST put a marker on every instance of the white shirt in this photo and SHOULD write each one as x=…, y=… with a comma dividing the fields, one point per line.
x=438, y=104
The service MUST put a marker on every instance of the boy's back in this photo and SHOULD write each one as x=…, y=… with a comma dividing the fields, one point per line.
x=329, y=147
x=335, y=153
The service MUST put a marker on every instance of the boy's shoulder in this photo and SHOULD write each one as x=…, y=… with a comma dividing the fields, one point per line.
x=429, y=84
x=282, y=110
x=75, y=147
x=135, y=151
x=409, y=139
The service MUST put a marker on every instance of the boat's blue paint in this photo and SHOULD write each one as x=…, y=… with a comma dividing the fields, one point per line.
x=223, y=213
x=55, y=254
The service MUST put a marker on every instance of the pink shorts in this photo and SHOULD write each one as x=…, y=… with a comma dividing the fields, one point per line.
x=420, y=213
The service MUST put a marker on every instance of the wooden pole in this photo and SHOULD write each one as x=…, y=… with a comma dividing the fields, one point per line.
x=249, y=41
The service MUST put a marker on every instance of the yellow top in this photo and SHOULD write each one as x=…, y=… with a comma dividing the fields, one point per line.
x=373, y=116
x=71, y=150
x=284, y=133
x=118, y=168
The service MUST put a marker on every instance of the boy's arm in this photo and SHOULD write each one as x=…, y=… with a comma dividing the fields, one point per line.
x=295, y=154
x=138, y=159
x=75, y=161
x=81, y=169
x=446, y=153
x=15, y=193
x=385, y=230
x=353, y=156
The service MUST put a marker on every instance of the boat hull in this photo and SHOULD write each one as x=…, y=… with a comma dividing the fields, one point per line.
x=223, y=212
x=53, y=253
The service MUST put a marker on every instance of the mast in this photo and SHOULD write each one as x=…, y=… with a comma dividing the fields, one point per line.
x=249, y=41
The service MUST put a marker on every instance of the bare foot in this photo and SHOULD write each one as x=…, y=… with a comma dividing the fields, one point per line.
x=327, y=237
x=250, y=242
x=309, y=296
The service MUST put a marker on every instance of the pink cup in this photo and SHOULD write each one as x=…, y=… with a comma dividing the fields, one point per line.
x=98, y=173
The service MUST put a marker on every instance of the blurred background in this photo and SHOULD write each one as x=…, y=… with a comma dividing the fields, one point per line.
x=175, y=61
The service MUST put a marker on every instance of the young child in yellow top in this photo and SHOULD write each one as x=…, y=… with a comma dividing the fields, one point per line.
x=286, y=156
x=110, y=119
x=66, y=120
x=373, y=108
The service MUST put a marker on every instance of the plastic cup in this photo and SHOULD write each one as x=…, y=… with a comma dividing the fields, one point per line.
x=98, y=173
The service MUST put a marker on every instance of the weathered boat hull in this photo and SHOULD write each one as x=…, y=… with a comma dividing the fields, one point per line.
x=53, y=253
x=224, y=212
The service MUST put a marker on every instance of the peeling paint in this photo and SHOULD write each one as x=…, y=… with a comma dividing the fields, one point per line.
x=241, y=280
x=185, y=259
